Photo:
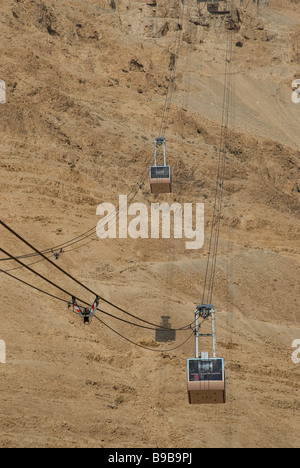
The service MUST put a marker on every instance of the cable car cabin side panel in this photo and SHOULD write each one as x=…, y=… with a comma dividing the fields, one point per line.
x=157, y=186
x=206, y=381
x=206, y=397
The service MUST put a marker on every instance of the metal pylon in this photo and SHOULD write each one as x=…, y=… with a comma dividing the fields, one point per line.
x=205, y=312
x=160, y=152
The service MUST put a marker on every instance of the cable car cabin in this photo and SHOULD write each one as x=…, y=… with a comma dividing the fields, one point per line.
x=213, y=7
x=160, y=173
x=160, y=179
x=206, y=381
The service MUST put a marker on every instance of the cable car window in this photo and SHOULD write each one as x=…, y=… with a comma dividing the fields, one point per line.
x=201, y=370
x=160, y=172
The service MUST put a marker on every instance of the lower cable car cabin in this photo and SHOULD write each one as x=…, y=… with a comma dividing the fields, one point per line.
x=206, y=381
x=160, y=179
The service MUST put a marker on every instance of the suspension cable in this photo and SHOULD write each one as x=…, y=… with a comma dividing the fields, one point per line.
x=218, y=203
x=140, y=345
x=186, y=327
x=33, y=287
x=173, y=74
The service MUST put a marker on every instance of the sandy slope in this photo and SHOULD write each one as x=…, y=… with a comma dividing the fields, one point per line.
x=86, y=86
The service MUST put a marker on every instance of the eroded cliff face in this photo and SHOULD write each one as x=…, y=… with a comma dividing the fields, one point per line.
x=86, y=87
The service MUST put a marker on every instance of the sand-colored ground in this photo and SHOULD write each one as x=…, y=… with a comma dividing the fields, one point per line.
x=86, y=84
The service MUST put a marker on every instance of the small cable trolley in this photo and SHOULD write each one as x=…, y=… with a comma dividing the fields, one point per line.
x=86, y=313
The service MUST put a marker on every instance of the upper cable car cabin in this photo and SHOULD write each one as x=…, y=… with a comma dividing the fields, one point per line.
x=160, y=179
x=206, y=381
x=213, y=7
x=160, y=173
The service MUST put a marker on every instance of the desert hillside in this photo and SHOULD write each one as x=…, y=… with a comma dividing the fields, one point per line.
x=86, y=84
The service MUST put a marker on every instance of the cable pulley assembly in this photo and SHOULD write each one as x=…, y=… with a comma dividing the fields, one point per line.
x=86, y=313
x=56, y=255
